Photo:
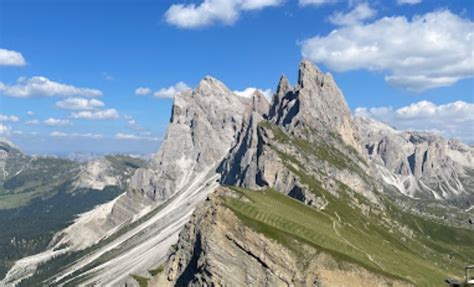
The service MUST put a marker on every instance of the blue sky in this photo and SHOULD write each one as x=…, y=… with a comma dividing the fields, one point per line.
x=409, y=64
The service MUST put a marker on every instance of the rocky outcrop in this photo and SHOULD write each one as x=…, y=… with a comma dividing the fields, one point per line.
x=311, y=124
x=203, y=126
x=216, y=249
x=315, y=103
x=97, y=174
x=419, y=164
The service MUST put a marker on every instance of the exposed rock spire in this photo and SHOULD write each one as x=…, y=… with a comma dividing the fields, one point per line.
x=316, y=103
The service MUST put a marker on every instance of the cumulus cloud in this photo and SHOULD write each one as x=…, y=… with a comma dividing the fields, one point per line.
x=79, y=104
x=43, y=87
x=209, y=12
x=52, y=122
x=248, y=92
x=453, y=120
x=172, y=91
x=11, y=58
x=410, y=2
x=76, y=135
x=108, y=114
x=4, y=130
x=315, y=2
x=9, y=118
x=142, y=91
x=360, y=13
x=428, y=51
x=122, y=136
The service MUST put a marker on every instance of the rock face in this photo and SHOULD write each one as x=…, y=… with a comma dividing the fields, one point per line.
x=315, y=103
x=309, y=123
x=12, y=160
x=216, y=249
x=202, y=128
x=97, y=174
x=419, y=164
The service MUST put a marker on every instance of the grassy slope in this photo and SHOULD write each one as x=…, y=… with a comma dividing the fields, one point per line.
x=434, y=251
x=422, y=260
x=40, y=178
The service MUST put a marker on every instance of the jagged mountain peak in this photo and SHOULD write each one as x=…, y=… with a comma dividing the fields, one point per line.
x=260, y=103
x=316, y=103
x=284, y=85
x=307, y=72
x=210, y=86
x=283, y=88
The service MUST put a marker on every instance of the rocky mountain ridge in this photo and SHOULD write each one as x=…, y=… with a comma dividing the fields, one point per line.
x=419, y=164
x=304, y=144
x=290, y=150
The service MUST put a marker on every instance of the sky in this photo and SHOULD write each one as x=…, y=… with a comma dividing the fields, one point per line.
x=99, y=76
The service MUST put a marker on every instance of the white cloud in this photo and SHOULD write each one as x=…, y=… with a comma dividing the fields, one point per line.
x=30, y=113
x=43, y=87
x=428, y=51
x=122, y=136
x=360, y=13
x=172, y=91
x=79, y=104
x=32, y=122
x=410, y=2
x=142, y=91
x=315, y=2
x=87, y=135
x=248, y=92
x=52, y=122
x=58, y=134
x=11, y=58
x=4, y=130
x=132, y=124
x=76, y=135
x=9, y=118
x=97, y=115
x=213, y=11
x=453, y=120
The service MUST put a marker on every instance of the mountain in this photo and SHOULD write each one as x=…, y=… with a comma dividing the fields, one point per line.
x=244, y=191
x=43, y=195
x=161, y=196
x=11, y=159
x=420, y=164
x=340, y=228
